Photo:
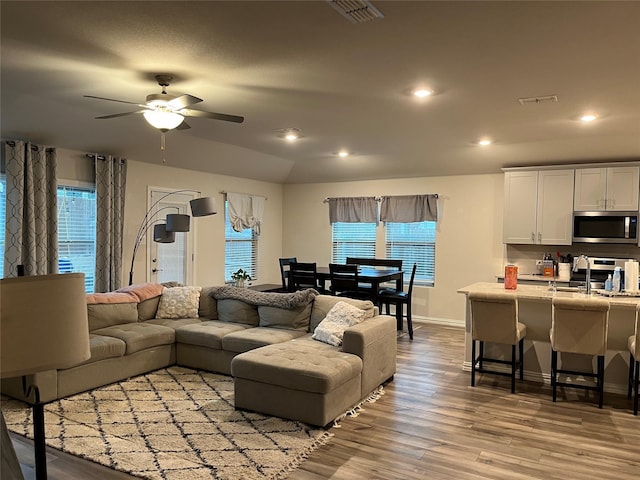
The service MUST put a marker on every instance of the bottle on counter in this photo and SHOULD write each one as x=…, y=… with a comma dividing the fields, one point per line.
x=608, y=284
x=616, y=280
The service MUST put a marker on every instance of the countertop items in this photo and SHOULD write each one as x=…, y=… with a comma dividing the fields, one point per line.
x=540, y=292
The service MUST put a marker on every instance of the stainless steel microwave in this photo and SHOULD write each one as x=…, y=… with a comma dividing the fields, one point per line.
x=605, y=227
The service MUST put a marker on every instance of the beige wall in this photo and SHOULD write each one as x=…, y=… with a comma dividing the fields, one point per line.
x=209, y=231
x=469, y=236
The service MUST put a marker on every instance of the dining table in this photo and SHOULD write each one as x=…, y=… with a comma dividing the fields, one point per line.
x=369, y=275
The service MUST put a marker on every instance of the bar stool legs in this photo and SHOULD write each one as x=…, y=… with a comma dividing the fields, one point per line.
x=634, y=381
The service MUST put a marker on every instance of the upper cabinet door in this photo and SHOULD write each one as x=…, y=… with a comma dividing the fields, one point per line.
x=623, y=185
x=520, y=206
x=590, y=189
x=612, y=188
x=555, y=207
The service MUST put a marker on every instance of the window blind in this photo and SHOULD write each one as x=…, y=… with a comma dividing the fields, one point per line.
x=352, y=240
x=3, y=218
x=77, y=232
x=413, y=242
x=241, y=249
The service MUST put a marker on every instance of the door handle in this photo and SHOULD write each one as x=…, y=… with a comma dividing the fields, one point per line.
x=156, y=270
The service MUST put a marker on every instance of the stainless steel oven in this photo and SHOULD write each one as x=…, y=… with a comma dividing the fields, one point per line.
x=605, y=227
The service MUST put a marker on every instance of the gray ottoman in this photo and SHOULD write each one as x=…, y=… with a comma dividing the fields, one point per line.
x=302, y=379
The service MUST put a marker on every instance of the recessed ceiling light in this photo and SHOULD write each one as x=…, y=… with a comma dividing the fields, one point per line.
x=343, y=153
x=290, y=134
x=422, y=92
x=484, y=142
x=588, y=118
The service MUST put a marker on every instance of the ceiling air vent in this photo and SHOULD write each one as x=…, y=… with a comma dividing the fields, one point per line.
x=356, y=11
x=543, y=99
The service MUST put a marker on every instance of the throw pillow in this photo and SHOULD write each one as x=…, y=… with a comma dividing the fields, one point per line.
x=179, y=302
x=341, y=316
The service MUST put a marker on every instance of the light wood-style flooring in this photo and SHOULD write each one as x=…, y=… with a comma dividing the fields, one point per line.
x=431, y=424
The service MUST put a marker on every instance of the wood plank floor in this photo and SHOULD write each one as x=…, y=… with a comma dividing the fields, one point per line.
x=431, y=424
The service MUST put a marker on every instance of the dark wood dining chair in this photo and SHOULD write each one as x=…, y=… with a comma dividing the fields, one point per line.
x=285, y=267
x=399, y=299
x=304, y=275
x=344, y=281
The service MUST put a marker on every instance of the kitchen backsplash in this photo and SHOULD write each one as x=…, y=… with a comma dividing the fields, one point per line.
x=525, y=256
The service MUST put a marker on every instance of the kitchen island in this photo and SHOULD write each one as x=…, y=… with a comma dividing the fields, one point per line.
x=534, y=310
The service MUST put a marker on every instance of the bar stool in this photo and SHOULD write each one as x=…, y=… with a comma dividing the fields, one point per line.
x=579, y=326
x=494, y=319
x=634, y=363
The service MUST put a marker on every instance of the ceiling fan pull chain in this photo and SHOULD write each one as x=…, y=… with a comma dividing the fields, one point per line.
x=163, y=147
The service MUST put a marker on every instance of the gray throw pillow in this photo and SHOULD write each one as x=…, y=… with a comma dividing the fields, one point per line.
x=236, y=311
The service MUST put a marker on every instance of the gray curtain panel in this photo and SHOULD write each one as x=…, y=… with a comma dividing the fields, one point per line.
x=31, y=229
x=353, y=210
x=111, y=180
x=409, y=208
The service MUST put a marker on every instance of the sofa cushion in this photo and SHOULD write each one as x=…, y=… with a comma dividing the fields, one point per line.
x=171, y=323
x=251, y=338
x=179, y=302
x=323, y=303
x=340, y=317
x=299, y=365
x=208, y=333
x=139, y=336
x=147, y=309
x=296, y=319
x=103, y=315
x=104, y=347
x=208, y=306
x=237, y=311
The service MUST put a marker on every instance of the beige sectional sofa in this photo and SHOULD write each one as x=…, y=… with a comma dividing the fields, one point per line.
x=263, y=339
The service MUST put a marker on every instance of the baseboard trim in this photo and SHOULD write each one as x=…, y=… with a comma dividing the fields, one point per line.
x=451, y=322
x=545, y=378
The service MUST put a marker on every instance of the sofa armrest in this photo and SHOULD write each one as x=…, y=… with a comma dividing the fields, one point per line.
x=47, y=383
x=374, y=341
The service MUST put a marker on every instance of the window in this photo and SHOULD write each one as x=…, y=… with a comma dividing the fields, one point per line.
x=352, y=240
x=414, y=243
x=241, y=249
x=77, y=232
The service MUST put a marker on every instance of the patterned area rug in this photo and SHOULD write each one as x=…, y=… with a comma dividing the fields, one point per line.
x=171, y=424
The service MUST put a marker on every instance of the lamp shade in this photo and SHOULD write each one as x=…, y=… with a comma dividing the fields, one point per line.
x=43, y=323
x=162, y=119
x=160, y=234
x=178, y=222
x=203, y=206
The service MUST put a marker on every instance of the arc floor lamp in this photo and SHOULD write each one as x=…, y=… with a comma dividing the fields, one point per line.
x=164, y=230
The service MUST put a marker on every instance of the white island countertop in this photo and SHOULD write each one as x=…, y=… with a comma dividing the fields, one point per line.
x=543, y=293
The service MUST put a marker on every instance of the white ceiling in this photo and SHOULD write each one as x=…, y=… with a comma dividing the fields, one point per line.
x=301, y=64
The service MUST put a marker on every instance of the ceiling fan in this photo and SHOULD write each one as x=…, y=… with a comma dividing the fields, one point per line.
x=166, y=112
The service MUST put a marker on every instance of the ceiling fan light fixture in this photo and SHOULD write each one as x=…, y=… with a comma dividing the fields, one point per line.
x=162, y=119
x=422, y=92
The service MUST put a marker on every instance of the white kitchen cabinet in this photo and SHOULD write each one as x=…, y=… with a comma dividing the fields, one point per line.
x=538, y=207
x=607, y=188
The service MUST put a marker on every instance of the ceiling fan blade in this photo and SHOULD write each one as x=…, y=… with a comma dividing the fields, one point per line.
x=112, y=100
x=217, y=116
x=183, y=126
x=183, y=101
x=120, y=114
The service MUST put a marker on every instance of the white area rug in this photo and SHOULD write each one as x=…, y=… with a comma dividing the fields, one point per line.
x=171, y=424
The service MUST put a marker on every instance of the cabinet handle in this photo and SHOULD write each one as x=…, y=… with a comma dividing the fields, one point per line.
x=539, y=237
x=533, y=237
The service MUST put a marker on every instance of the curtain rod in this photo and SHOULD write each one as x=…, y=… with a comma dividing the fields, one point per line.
x=326, y=200
x=248, y=194
x=95, y=155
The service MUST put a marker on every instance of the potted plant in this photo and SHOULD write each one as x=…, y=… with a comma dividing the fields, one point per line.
x=240, y=276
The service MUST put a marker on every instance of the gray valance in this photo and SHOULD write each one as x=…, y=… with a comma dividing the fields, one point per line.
x=409, y=208
x=353, y=210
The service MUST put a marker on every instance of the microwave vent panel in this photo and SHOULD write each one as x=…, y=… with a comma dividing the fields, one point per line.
x=356, y=11
x=538, y=100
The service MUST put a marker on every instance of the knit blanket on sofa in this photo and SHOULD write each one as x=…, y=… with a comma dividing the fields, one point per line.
x=287, y=301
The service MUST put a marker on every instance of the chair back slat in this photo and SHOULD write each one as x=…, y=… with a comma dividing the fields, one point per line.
x=303, y=275
x=285, y=267
x=344, y=277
